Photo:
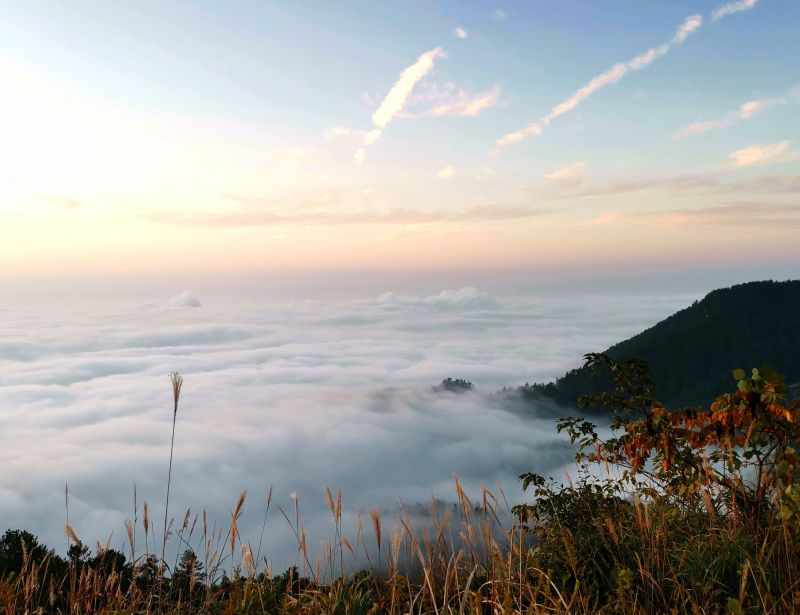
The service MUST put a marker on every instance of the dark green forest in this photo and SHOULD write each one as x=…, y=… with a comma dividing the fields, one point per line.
x=690, y=353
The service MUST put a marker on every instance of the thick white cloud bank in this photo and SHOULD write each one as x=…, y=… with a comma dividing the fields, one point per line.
x=294, y=395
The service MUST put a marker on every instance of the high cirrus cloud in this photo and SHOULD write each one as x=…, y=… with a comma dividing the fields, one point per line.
x=243, y=218
x=758, y=154
x=746, y=111
x=689, y=25
x=397, y=97
x=731, y=8
x=568, y=176
x=465, y=104
x=334, y=132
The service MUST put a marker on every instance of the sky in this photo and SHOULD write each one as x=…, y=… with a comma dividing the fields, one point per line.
x=210, y=137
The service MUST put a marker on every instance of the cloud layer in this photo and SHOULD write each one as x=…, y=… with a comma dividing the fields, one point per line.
x=295, y=395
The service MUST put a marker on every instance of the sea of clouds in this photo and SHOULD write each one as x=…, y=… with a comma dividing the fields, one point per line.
x=290, y=394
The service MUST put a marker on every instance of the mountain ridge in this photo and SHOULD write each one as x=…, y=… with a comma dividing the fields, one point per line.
x=692, y=352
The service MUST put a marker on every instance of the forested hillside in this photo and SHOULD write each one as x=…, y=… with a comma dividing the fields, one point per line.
x=691, y=353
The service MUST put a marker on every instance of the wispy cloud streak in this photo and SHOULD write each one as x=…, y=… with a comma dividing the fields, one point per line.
x=690, y=25
x=397, y=97
x=464, y=104
x=746, y=111
x=676, y=185
x=731, y=8
x=748, y=214
x=569, y=176
x=758, y=154
x=233, y=219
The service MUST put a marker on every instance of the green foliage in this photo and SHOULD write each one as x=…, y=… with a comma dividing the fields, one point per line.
x=571, y=529
x=696, y=503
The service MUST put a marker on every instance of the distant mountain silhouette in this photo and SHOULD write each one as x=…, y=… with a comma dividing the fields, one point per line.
x=691, y=353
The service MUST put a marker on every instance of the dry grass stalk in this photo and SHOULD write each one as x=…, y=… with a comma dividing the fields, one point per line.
x=177, y=384
x=73, y=538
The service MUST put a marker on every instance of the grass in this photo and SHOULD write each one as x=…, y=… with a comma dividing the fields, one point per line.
x=645, y=559
x=429, y=570
x=177, y=383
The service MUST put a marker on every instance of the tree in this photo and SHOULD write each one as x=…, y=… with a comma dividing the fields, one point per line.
x=453, y=385
x=188, y=577
x=110, y=561
x=77, y=553
x=17, y=547
x=737, y=456
x=675, y=508
x=147, y=571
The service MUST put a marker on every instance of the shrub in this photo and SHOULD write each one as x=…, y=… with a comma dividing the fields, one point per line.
x=682, y=509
